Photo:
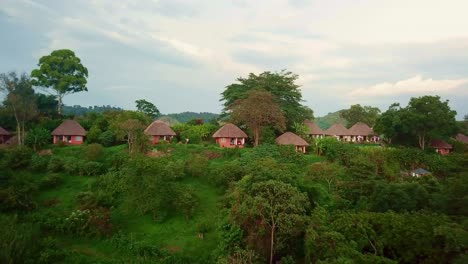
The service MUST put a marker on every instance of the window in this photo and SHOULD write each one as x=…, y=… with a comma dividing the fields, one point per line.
x=223, y=140
x=78, y=138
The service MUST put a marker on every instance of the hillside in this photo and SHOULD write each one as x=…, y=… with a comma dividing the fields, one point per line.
x=184, y=117
x=328, y=120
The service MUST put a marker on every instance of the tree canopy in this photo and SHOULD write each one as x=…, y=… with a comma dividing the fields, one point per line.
x=147, y=108
x=281, y=84
x=63, y=72
x=357, y=113
x=258, y=110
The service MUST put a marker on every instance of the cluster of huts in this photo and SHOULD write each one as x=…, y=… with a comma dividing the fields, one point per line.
x=231, y=136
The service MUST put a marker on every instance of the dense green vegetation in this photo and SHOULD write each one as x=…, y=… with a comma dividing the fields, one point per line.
x=202, y=204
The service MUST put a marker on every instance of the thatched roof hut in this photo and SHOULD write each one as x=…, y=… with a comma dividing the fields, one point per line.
x=314, y=129
x=462, y=138
x=230, y=131
x=69, y=128
x=4, y=132
x=289, y=138
x=360, y=129
x=159, y=128
x=337, y=130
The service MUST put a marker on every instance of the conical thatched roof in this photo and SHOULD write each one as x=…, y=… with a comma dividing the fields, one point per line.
x=290, y=138
x=360, y=129
x=462, y=138
x=230, y=131
x=337, y=130
x=4, y=132
x=159, y=128
x=314, y=129
x=69, y=128
x=440, y=144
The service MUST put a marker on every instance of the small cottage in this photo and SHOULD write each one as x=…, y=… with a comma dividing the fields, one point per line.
x=314, y=130
x=159, y=131
x=230, y=136
x=441, y=146
x=4, y=135
x=339, y=132
x=290, y=138
x=361, y=132
x=462, y=138
x=70, y=132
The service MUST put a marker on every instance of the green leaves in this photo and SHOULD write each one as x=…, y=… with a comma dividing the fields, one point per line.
x=147, y=108
x=63, y=72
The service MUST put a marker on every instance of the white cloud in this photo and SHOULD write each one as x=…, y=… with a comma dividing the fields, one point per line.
x=414, y=85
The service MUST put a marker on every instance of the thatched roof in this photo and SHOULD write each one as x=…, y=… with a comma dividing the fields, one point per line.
x=337, y=130
x=159, y=128
x=462, y=138
x=314, y=129
x=69, y=128
x=440, y=144
x=230, y=131
x=4, y=132
x=290, y=138
x=360, y=129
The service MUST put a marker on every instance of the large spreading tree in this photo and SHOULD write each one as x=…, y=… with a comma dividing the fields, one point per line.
x=357, y=113
x=281, y=84
x=63, y=72
x=259, y=109
x=428, y=117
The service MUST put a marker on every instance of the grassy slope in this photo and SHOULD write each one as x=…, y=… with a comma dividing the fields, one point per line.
x=175, y=234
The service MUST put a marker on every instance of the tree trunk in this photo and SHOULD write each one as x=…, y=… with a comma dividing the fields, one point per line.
x=272, y=243
x=59, y=104
x=256, y=135
x=422, y=140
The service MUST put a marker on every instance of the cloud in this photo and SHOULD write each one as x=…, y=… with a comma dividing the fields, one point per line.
x=414, y=85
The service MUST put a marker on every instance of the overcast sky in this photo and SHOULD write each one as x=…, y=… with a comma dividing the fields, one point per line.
x=180, y=54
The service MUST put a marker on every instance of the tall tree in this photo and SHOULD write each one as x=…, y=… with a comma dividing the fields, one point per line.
x=275, y=206
x=357, y=113
x=428, y=117
x=147, y=108
x=281, y=84
x=258, y=110
x=389, y=124
x=63, y=72
x=20, y=100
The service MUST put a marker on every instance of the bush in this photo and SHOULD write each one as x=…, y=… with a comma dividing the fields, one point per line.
x=37, y=138
x=56, y=164
x=93, y=152
x=51, y=180
x=17, y=157
x=186, y=201
x=16, y=192
x=18, y=241
x=196, y=165
x=39, y=163
x=93, y=134
x=107, y=138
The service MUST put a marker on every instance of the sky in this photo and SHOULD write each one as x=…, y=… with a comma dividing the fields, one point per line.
x=181, y=54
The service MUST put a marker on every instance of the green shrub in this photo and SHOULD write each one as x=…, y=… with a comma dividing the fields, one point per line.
x=39, y=163
x=196, y=165
x=93, y=152
x=186, y=201
x=37, y=138
x=51, y=180
x=17, y=157
x=51, y=251
x=107, y=138
x=18, y=241
x=93, y=134
x=16, y=192
x=56, y=164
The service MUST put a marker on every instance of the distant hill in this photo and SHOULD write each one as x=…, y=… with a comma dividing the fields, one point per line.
x=328, y=120
x=184, y=117
x=79, y=110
